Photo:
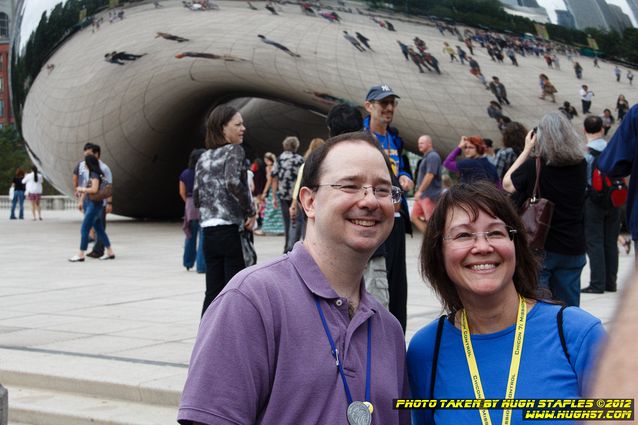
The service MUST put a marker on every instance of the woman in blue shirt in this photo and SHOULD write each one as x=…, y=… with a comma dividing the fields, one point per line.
x=500, y=339
x=475, y=166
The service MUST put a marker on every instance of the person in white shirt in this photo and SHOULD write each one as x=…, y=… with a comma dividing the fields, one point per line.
x=33, y=181
x=585, y=97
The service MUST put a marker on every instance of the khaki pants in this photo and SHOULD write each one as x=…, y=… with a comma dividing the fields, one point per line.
x=376, y=278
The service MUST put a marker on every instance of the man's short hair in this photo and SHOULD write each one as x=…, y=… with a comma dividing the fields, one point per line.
x=88, y=146
x=344, y=118
x=593, y=124
x=96, y=150
x=312, y=167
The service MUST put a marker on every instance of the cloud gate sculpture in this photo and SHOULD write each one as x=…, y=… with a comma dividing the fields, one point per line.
x=139, y=79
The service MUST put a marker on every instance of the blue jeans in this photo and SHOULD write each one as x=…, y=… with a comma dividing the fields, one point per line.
x=18, y=198
x=561, y=274
x=92, y=214
x=193, y=252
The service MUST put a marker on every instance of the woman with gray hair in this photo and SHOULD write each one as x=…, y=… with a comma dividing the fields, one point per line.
x=563, y=178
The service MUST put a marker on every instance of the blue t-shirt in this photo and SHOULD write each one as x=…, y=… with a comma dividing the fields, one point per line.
x=474, y=169
x=544, y=370
x=431, y=163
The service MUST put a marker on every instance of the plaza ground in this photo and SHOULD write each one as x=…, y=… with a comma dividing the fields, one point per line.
x=111, y=340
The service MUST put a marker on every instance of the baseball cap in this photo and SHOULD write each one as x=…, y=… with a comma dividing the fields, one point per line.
x=380, y=92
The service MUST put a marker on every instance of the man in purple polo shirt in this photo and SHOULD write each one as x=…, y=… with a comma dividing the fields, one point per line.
x=299, y=340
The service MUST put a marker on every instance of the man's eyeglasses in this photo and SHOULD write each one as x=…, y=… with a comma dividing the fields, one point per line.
x=380, y=192
x=385, y=102
x=497, y=236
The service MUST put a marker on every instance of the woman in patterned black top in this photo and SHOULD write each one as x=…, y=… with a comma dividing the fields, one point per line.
x=225, y=204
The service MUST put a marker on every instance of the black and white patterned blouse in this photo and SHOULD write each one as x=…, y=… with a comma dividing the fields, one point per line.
x=286, y=169
x=221, y=185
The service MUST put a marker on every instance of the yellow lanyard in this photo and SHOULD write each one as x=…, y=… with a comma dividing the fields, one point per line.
x=514, y=365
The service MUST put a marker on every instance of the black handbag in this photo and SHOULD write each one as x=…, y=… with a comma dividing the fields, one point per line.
x=536, y=214
x=247, y=248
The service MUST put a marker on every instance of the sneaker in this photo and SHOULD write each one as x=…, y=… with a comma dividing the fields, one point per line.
x=107, y=257
x=76, y=259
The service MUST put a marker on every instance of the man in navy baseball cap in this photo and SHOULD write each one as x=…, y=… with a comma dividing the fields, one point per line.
x=381, y=103
x=380, y=92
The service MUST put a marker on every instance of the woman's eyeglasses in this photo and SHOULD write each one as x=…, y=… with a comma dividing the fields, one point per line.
x=497, y=236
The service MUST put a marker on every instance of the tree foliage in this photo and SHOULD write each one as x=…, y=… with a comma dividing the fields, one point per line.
x=13, y=155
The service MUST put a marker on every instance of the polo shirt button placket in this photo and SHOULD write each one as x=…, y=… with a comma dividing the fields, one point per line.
x=339, y=302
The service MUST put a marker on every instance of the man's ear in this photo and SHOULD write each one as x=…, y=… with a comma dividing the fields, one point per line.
x=306, y=198
x=368, y=106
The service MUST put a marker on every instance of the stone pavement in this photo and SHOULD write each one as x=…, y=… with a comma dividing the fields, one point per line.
x=110, y=338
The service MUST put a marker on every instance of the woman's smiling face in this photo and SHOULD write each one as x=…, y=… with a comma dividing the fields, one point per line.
x=476, y=266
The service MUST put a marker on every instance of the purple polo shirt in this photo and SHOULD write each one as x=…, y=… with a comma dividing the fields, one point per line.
x=262, y=355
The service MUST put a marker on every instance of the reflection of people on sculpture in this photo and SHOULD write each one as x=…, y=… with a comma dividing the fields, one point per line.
x=330, y=16
x=353, y=41
x=364, y=40
x=50, y=67
x=271, y=8
x=227, y=58
x=278, y=45
x=326, y=98
x=157, y=4
x=250, y=5
x=307, y=9
x=168, y=36
x=118, y=57
x=200, y=5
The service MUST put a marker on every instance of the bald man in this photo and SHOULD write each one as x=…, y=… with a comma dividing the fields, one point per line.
x=428, y=184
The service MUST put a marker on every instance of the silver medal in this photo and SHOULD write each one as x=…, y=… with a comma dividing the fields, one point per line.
x=359, y=413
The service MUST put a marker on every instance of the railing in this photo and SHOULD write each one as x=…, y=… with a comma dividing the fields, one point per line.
x=53, y=202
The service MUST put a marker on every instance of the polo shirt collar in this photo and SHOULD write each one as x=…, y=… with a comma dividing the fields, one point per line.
x=597, y=144
x=317, y=283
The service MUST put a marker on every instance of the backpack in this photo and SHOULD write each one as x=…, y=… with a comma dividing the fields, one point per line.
x=605, y=191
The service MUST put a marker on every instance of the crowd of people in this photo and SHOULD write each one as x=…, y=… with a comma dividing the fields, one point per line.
x=339, y=293
x=337, y=298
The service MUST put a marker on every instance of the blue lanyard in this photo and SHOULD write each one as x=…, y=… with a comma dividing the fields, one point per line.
x=335, y=354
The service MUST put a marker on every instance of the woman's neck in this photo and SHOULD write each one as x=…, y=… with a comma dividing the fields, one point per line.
x=489, y=316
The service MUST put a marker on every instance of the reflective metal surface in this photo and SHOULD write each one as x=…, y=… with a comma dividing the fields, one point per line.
x=138, y=80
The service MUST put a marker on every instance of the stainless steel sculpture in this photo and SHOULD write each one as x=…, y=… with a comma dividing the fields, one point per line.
x=147, y=112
